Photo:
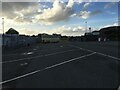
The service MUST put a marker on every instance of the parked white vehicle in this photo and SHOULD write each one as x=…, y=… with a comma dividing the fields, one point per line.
x=49, y=38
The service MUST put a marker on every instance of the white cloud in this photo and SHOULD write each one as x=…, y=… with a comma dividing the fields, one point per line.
x=28, y=32
x=114, y=24
x=73, y=15
x=109, y=5
x=79, y=1
x=23, y=12
x=70, y=31
x=64, y=30
x=84, y=14
x=87, y=14
x=86, y=5
x=110, y=12
x=70, y=4
x=9, y=8
x=59, y=12
x=0, y=23
x=27, y=12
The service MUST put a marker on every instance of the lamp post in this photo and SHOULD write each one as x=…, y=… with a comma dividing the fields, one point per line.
x=3, y=29
x=86, y=27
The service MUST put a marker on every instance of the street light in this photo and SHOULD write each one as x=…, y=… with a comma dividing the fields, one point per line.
x=3, y=25
x=3, y=29
x=86, y=27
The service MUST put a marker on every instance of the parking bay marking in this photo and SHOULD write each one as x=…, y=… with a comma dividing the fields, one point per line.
x=49, y=67
x=118, y=59
x=28, y=52
x=37, y=56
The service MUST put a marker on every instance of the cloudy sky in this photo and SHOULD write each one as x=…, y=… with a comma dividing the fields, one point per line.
x=66, y=18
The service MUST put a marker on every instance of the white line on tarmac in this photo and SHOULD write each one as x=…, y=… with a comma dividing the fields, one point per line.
x=96, y=52
x=49, y=67
x=30, y=51
x=30, y=58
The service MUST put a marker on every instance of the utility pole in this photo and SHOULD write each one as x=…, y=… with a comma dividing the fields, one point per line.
x=3, y=29
x=86, y=27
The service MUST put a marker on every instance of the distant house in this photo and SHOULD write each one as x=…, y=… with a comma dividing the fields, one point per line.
x=96, y=33
x=75, y=38
x=12, y=31
x=12, y=39
x=104, y=34
x=92, y=36
x=110, y=33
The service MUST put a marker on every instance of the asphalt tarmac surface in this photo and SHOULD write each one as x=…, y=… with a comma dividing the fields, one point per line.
x=62, y=65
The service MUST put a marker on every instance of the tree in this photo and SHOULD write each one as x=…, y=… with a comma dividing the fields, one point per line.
x=12, y=31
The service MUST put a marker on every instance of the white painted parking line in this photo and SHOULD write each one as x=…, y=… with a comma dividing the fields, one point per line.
x=49, y=67
x=31, y=58
x=82, y=48
x=48, y=49
x=29, y=51
x=96, y=52
x=119, y=88
x=71, y=60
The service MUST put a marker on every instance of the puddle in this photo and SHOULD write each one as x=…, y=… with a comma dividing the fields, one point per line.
x=61, y=46
x=24, y=64
x=34, y=49
x=119, y=88
x=29, y=53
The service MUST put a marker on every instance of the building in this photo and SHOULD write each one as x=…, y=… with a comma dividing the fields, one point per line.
x=92, y=36
x=105, y=34
x=110, y=33
x=12, y=39
x=96, y=33
x=15, y=40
